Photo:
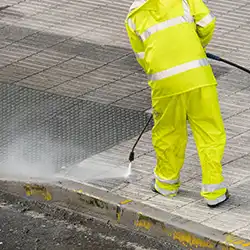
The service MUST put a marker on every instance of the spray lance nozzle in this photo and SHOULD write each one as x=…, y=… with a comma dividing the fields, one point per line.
x=132, y=156
x=131, y=159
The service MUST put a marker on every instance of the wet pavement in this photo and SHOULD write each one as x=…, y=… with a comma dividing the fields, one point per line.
x=48, y=129
x=73, y=94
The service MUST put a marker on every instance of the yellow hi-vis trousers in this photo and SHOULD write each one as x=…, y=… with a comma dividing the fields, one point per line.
x=169, y=136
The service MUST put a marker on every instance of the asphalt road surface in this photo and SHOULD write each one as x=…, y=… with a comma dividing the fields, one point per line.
x=26, y=229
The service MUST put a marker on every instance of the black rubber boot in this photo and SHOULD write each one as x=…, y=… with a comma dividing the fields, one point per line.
x=218, y=204
x=153, y=187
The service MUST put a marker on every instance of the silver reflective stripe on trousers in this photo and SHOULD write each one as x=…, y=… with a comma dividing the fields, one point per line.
x=140, y=55
x=171, y=182
x=217, y=201
x=206, y=20
x=178, y=69
x=186, y=18
x=164, y=191
x=212, y=187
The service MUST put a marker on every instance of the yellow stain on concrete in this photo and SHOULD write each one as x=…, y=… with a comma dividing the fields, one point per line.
x=234, y=240
x=79, y=191
x=143, y=222
x=33, y=189
x=228, y=248
x=146, y=224
x=186, y=239
x=125, y=202
x=119, y=209
x=190, y=240
x=118, y=216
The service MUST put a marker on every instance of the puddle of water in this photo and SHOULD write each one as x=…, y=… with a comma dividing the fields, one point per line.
x=89, y=171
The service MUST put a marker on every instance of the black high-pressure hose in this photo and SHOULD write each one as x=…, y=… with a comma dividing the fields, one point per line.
x=217, y=58
x=209, y=55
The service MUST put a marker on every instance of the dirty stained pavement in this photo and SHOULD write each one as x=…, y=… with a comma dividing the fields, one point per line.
x=24, y=228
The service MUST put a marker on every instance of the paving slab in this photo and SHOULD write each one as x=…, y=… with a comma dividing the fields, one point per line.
x=74, y=99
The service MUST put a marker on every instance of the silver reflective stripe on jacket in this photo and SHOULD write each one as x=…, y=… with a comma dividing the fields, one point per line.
x=161, y=26
x=131, y=24
x=186, y=18
x=187, y=11
x=206, y=20
x=178, y=69
x=212, y=187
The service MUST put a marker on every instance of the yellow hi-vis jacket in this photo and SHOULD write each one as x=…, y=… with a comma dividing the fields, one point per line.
x=169, y=38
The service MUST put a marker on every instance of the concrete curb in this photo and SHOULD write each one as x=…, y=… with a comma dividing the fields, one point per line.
x=129, y=213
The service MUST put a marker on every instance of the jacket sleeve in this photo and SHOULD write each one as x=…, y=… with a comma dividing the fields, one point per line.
x=204, y=19
x=136, y=43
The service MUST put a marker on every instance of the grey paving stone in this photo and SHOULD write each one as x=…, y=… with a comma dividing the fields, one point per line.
x=241, y=189
x=190, y=172
x=193, y=159
x=43, y=80
x=241, y=142
x=15, y=53
x=78, y=66
x=129, y=62
x=164, y=203
x=17, y=70
x=8, y=79
x=13, y=33
x=136, y=192
x=236, y=125
x=199, y=212
x=42, y=40
x=232, y=153
x=137, y=101
x=244, y=232
x=90, y=50
x=193, y=213
x=241, y=162
x=109, y=184
x=4, y=43
x=227, y=222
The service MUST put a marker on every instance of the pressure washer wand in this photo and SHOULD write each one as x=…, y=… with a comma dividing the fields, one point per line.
x=217, y=58
x=132, y=153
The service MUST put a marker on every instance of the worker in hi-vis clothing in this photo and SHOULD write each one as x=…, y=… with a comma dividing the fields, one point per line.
x=169, y=38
